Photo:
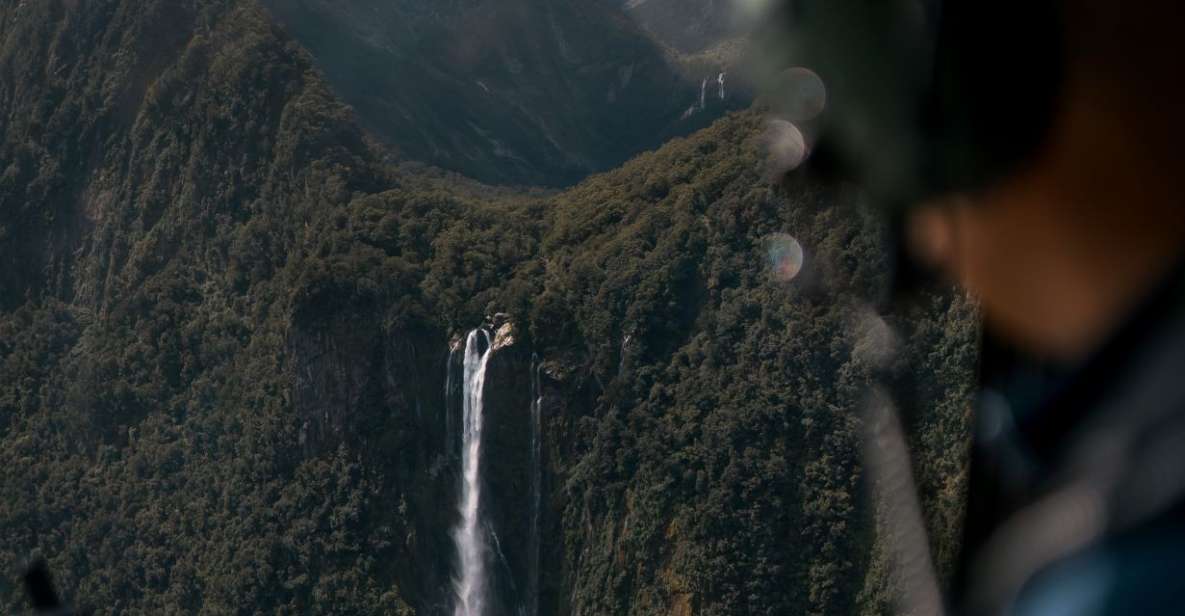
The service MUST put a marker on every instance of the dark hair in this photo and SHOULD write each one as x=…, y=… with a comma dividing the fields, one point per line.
x=924, y=97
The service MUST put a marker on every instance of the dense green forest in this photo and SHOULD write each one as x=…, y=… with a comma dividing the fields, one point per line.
x=225, y=319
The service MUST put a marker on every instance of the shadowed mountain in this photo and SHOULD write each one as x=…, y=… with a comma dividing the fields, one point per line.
x=511, y=92
x=689, y=26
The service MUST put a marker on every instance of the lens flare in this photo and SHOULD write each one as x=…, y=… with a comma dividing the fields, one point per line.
x=785, y=257
x=799, y=95
x=748, y=12
x=785, y=149
x=876, y=344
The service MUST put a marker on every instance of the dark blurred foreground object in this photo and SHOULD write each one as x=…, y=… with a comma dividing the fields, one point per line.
x=43, y=597
x=1077, y=491
x=923, y=97
x=1044, y=140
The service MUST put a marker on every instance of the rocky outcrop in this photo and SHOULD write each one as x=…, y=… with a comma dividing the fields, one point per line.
x=507, y=465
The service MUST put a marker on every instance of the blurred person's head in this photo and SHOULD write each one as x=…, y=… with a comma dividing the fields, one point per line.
x=1031, y=147
x=1061, y=247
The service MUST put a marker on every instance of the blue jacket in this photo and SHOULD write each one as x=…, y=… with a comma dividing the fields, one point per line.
x=1077, y=486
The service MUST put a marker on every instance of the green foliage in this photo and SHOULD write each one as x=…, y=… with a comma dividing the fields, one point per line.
x=219, y=384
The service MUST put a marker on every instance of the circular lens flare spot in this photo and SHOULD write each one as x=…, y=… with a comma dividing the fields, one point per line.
x=800, y=95
x=785, y=149
x=785, y=257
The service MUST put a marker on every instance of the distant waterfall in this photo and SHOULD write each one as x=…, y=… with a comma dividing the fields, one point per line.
x=703, y=94
x=470, y=587
x=720, y=80
x=532, y=599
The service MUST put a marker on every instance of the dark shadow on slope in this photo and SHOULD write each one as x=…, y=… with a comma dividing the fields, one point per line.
x=516, y=92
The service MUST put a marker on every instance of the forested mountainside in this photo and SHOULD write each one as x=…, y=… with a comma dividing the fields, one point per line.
x=227, y=329
x=510, y=92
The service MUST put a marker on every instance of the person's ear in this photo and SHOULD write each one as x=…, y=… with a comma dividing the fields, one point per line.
x=930, y=235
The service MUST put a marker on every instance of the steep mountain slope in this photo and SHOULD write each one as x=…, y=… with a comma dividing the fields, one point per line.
x=690, y=26
x=226, y=327
x=147, y=147
x=510, y=92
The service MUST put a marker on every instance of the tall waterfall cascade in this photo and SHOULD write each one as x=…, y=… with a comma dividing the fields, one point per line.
x=470, y=587
x=701, y=104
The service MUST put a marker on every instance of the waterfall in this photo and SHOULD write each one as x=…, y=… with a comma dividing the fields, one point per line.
x=703, y=94
x=720, y=80
x=532, y=597
x=470, y=587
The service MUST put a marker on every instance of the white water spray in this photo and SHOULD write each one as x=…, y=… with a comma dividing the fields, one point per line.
x=720, y=80
x=470, y=587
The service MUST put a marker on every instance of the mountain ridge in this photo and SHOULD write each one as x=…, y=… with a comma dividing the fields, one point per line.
x=518, y=93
